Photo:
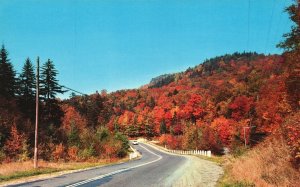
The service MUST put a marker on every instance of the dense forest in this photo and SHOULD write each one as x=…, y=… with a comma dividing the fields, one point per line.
x=63, y=132
x=226, y=102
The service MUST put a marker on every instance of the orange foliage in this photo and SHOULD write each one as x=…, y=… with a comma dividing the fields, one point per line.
x=13, y=146
x=59, y=152
x=73, y=153
x=272, y=105
x=72, y=117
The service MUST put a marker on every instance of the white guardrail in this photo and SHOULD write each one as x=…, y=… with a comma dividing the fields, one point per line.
x=182, y=152
x=191, y=152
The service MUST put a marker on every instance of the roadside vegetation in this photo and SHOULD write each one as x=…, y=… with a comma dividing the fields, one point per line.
x=16, y=170
x=268, y=164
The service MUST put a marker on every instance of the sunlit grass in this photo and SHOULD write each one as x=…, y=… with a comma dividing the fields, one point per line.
x=18, y=170
x=217, y=159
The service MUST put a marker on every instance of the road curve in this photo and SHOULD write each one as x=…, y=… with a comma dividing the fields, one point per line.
x=154, y=168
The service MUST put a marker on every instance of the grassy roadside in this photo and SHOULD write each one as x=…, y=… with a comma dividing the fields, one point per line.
x=227, y=179
x=267, y=164
x=17, y=171
x=216, y=159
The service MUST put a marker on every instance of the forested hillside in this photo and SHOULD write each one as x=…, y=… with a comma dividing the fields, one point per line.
x=63, y=133
x=225, y=102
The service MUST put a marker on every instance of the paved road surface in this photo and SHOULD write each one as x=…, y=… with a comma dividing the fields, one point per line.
x=155, y=168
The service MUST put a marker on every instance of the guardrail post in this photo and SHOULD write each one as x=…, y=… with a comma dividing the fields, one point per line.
x=209, y=153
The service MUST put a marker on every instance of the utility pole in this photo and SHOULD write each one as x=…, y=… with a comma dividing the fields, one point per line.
x=245, y=135
x=244, y=128
x=35, y=164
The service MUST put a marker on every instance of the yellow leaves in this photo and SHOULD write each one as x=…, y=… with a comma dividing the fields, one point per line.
x=174, y=110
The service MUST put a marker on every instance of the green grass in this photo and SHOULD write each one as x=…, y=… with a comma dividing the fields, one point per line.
x=39, y=171
x=217, y=159
x=32, y=172
x=237, y=184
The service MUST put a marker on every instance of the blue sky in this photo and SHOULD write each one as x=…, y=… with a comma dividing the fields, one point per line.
x=119, y=44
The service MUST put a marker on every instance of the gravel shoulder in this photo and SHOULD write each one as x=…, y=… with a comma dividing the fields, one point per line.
x=199, y=172
x=195, y=172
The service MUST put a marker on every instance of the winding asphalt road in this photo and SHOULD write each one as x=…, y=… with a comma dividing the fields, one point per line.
x=155, y=168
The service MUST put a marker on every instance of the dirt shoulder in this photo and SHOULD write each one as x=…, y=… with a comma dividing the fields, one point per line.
x=195, y=172
x=199, y=172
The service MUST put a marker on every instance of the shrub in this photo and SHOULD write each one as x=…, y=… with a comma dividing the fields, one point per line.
x=87, y=153
x=24, y=156
x=59, y=152
x=13, y=146
x=124, y=144
x=73, y=153
x=266, y=165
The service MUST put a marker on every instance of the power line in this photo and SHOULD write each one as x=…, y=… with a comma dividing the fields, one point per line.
x=70, y=89
x=248, y=37
x=270, y=25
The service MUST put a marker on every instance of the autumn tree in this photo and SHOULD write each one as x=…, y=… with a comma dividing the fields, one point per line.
x=224, y=128
x=16, y=144
x=193, y=108
x=241, y=107
x=291, y=45
x=72, y=117
x=93, y=107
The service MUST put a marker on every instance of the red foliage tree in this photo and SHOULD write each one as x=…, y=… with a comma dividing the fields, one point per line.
x=240, y=107
x=224, y=128
x=193, y=108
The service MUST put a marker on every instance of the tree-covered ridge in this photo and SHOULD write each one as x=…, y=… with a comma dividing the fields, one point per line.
x=206, y=68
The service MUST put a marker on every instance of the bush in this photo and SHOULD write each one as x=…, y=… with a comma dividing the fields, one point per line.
x=124, y=144
x=73, y=153
x=24, y=156
x=59, y=152
x=87, y=153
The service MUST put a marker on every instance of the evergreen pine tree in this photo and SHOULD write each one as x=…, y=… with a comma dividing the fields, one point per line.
x=27, y=89
x=51, y=112
x=7, y=75
x=163, y=127
x=49, y=86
